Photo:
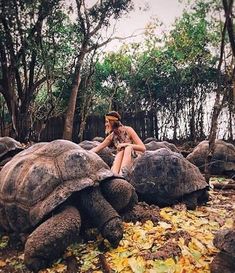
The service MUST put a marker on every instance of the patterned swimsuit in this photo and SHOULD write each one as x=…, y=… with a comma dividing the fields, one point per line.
x=121, y=136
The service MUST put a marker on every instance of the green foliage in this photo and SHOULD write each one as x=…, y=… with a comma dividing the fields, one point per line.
x=60, y=44
x=171, y=74
x=164, y=74
x=48, y=102
x=4, y=242
x=108, y=8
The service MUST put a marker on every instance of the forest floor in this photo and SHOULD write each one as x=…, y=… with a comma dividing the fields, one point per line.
x=173, y=240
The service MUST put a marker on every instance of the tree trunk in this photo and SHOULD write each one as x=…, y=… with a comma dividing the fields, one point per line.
x=216, y=110
x=84, y=116
x=234, y=86
x=23, y=125
x=231, y=108
x=201, y=117
x=68, y=125
x=175, y=120
x=69, y=118
x=156, y=124
x=214, y=126
x=175, y=126
x=192, y=118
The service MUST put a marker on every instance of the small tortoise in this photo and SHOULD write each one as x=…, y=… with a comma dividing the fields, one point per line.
x=163, y=177
x=8, y=148
x=44, y=188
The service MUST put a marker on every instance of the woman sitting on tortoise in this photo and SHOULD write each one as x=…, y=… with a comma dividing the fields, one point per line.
x=124, y=138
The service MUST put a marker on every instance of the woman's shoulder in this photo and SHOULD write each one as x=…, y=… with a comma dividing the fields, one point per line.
x=129, y=129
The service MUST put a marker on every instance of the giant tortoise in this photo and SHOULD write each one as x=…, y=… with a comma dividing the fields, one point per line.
x=155, y=145
x=8, y=148
x=106, y=153
x=222, y=161
x=44, y=188
x=224, y=261
x=163, y=177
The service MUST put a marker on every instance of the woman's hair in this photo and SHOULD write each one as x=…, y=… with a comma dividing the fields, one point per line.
x=115, y=118
x=114, y=114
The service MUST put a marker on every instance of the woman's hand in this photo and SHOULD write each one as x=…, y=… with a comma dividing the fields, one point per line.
x=122, y=146
x=102, y=145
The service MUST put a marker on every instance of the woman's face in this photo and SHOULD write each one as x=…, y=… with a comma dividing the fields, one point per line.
x=108, y=126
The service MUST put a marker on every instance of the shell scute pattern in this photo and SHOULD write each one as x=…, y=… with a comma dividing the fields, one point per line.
x=42, y=177
x=164, y=174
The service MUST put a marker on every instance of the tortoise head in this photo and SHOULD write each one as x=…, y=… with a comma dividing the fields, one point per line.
x=113, y=231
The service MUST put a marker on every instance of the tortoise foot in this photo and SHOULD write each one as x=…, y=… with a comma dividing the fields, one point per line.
x=113, y=231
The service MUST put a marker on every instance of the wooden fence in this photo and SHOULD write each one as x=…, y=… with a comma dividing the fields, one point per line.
x=143, y=122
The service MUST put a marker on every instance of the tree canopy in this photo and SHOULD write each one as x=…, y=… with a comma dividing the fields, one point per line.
x=52, y=64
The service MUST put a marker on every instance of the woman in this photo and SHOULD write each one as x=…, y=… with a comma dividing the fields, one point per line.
x=125, y=140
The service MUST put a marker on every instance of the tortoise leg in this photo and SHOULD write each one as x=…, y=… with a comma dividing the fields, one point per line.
x=51, y=238
x=101, y=214
x=203, y=197
x=119, y=193
x=190, y=200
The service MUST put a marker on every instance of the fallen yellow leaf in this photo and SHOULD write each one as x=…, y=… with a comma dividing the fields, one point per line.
x=2, y=263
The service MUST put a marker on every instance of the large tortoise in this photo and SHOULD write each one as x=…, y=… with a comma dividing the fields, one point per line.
x=97, y=138
x=222, y=161
x=163, y=177
x=155, y=145
x=42, y=190
x=8, y=148
x=106, y=153
x=224, y=261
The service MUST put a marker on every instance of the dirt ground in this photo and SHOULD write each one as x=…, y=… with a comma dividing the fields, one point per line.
x=219, y=211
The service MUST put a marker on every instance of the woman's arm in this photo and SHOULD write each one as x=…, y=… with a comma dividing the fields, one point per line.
x=103, y=144
x=137, y=145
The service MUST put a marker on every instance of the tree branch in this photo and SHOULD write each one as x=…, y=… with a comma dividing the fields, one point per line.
x=228, y=15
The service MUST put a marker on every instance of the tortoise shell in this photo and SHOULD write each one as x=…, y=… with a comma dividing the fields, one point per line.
x=163, y=176
x=225, y=241
x=40, y=178
x=222, y=161
x=8, y=148
x=106, y=153
x=155, y=145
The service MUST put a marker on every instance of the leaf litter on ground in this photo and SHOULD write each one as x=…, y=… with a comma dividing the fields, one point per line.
x=179, y=241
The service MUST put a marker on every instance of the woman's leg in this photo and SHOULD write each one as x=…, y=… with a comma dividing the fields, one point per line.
x=117, y=162
x=127, y=157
